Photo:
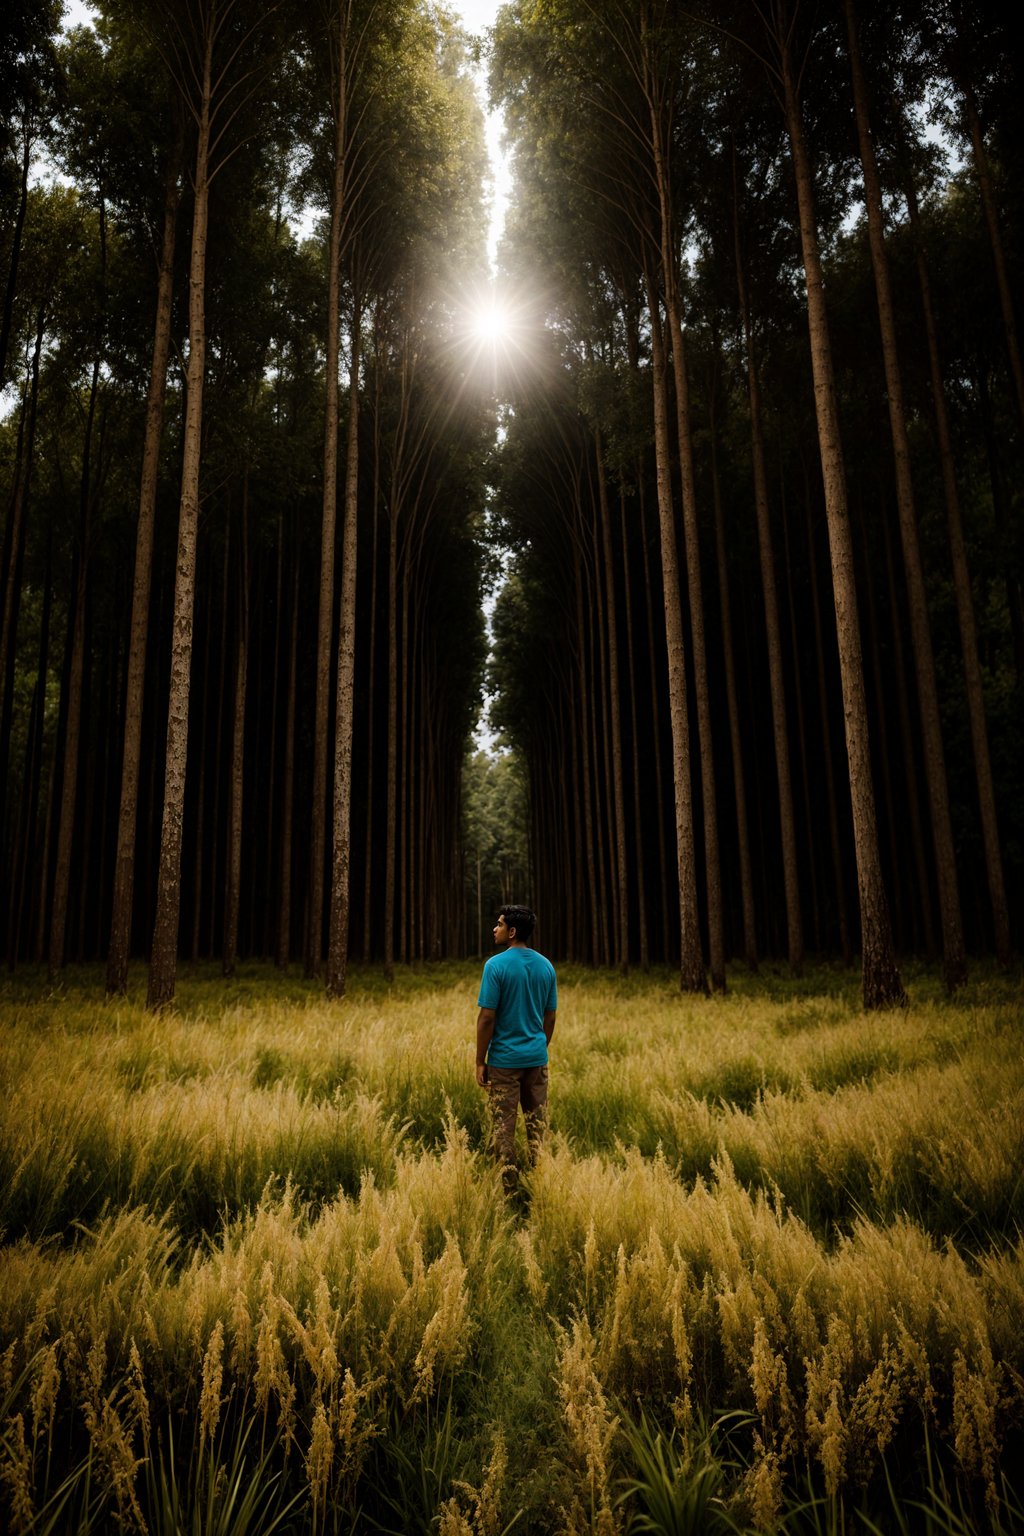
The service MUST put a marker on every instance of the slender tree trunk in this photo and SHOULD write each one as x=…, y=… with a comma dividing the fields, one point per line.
x=392, y=753
x=659, y=785
x=199, y=851
x=318, y=836
x=882, y=986
x=583, y=738
x=908, y=736
x=618, y=796
x=21, y=886
x=124, y=864
x=372, y=661
x=337, y=955
x=873, y=641
x=953, y=952
x=164, y=953
x=691, y=535
x=641, y=881
x=988, y=202
x=964, y=609
x=236, y=790
x=842, y=915
x=15, y=550
x=73, y=724
x=405, y=762
x=773, y=635
x=732, y=699
x=284, y=925
x=691, y=962
x=27, y=141
x=798, y=700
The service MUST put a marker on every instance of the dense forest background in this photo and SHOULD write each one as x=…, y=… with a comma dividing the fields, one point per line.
x=740, y=466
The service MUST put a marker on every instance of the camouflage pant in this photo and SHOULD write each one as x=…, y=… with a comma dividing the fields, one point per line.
x=511, y=1087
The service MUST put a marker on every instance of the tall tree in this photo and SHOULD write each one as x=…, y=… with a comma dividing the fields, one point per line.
x=954, y=955
x=218, y=56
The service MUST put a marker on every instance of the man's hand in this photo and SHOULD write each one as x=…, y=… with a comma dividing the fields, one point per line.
x=484, y=1031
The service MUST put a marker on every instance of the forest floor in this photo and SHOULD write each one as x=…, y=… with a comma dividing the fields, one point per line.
x=257, y=1272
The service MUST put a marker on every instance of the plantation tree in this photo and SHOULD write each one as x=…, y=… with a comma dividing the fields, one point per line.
x=955, y=960
x=29, y=76
x=962, y=586
x=881, y=981
x=218, y=56
x=137, y=62
x=86, y=129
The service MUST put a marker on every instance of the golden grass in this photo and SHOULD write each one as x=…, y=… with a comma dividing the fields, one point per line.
x=280, y=1212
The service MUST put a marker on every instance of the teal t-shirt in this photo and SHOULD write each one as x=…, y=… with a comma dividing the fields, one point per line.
x=519, y=985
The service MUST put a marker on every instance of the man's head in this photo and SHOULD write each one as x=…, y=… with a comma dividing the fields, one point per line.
x=514, y=926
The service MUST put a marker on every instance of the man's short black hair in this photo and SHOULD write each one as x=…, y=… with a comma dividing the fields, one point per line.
x=521, y=919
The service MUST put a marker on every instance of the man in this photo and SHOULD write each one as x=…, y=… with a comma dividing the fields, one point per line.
x=517, y=1002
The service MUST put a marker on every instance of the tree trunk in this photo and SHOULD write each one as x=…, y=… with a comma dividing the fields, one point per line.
x=964, y=608
x=953, y=952
x=732, y=699
x=164, y=953
x=236, y=788
x=638, y=826
x=842, y=916
x=618, y=791
x=14, y=552
x=21, y=886
x=773, y=636
x=582, y=736
x=73, y=723
x=908, y=736
x=337, y=954
x=318, y=836
x=124, y=864
x=372, y=661
x=691, y=962
x=659, y=788
x=284, y=923
x=10, y=294
x=882, y=987
x=988, y=203
x=691, y=535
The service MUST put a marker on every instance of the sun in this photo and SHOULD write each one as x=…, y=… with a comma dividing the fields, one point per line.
x=490, y=322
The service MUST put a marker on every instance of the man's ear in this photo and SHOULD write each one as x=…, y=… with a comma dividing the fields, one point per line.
x=511, y=934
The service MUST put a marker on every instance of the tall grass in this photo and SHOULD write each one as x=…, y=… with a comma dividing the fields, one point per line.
x=257, y=1272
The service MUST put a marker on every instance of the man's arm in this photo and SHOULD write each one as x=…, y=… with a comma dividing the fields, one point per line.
x=549, y=1024
x=484, y=1031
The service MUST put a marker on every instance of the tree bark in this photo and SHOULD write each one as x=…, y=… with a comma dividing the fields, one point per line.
x=124, y=861
x=618, y=790
x=882, y=987
x=318, y=835
x=953, y=951
x=692, y=977
x=638, y=825
x=27, y=141
x=236, y=789
x=337, y=955
x=73, y=724
x=691, y=536
x=14, y=552
x=773, y=636
x=964, y=608
x=732, y=700
x=284, y=923
x=164, y=953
